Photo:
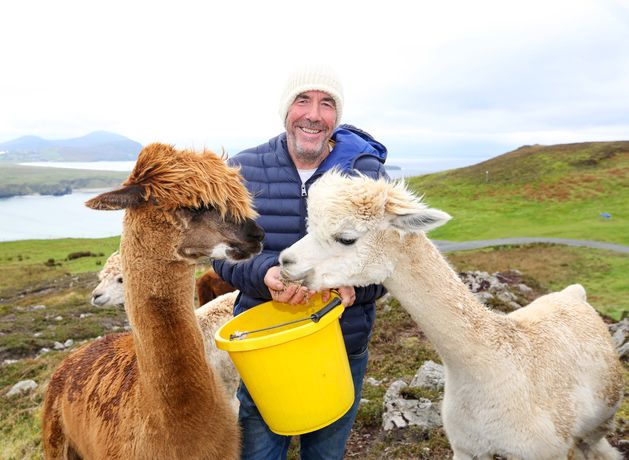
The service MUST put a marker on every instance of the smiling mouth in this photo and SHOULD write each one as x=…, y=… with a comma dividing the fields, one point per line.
x=310, y=131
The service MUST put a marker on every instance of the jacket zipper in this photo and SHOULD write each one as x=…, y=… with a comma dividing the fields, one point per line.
x=303, y=190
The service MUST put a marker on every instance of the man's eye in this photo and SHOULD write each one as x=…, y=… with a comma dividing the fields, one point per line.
x=346, y=241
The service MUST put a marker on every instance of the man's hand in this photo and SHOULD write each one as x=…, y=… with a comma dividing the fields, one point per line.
x=295, y=294
x=347, y=294
x=292, y=294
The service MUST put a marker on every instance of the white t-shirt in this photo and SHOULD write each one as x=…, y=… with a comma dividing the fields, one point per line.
x=305, y=174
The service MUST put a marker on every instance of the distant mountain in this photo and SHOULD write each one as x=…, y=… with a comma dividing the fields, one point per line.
x=96, y=146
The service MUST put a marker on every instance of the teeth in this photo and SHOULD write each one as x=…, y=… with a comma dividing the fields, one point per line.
x=311, y=131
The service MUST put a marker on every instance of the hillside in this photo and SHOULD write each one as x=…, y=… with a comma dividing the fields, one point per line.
x=27, y=180
x=44, y=303
x=99, y=145
x=573, y=190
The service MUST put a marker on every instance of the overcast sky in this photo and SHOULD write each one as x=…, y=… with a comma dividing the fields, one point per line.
x=447, y=81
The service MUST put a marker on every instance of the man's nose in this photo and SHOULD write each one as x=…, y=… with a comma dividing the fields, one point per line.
x=314, y=112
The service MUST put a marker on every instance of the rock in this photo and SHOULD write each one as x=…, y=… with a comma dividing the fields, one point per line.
x=374, y=382
x=623, y=351
x=430, y=375
x=484, y=296
x=400, y=412
x=68, y=343
x=58, y=318
x=22, y=387
x=619, y=332
x=506, y=296
x=501, y=291
x=384, y=300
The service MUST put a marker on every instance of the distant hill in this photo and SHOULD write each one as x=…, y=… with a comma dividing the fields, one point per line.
x=570, y=190
x=539, y=164
x=96, y=146
x=29, y=180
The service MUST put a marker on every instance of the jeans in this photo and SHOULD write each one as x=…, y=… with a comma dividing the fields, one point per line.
x=328, y=443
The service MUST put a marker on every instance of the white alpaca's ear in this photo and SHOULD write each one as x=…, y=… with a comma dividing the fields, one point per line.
x=424, y=220
x=125, y=197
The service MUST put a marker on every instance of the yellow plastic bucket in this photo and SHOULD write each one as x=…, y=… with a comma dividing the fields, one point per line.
x=297, y=374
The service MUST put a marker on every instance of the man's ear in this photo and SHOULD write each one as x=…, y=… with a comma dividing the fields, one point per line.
x=126, y=197
x=424, y=220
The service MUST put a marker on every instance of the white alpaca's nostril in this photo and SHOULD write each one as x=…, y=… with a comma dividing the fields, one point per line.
x=285, y=260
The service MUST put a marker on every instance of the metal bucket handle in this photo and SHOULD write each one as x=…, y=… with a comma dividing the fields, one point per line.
x=315, y=318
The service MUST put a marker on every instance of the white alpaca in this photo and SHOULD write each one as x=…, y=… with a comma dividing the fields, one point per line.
x=211, y=316
x=543, y=382
x=109, y=291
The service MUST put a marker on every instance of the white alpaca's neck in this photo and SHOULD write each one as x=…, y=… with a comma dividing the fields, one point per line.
x=441, y=304
x=159, y=300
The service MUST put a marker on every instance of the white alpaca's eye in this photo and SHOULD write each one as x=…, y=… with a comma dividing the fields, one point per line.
x=346, y=241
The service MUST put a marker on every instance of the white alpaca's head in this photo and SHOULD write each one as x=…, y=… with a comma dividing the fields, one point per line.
x=109, y=291
x=350, y=222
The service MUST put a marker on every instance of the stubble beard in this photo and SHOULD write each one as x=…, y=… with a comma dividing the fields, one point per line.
x=307, y=153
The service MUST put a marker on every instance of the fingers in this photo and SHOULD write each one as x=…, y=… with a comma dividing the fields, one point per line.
x=272, y=279
x=295, y=294
x=348, y=295
x=292, y=294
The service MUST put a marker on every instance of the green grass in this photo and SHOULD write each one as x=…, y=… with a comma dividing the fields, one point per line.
x=20, y=430
x=11, y=173
x=43, y=260
x=397, y=349
x=602, y=273
x=557, y=191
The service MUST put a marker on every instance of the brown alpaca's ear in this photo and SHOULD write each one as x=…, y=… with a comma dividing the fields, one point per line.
x=125, y=197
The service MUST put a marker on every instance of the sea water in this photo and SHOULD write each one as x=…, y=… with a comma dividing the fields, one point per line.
x=47, y=217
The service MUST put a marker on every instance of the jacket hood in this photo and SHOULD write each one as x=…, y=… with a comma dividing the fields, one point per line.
x=351, y=144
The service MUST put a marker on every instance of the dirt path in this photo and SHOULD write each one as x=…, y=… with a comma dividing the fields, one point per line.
x=449, y=246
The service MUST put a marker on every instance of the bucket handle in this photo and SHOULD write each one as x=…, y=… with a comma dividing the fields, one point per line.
x=315, y=318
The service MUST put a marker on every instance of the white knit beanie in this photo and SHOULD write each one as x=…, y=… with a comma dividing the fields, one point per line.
x=312, y=78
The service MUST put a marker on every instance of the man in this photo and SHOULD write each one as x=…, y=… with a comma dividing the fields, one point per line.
x=278, y=174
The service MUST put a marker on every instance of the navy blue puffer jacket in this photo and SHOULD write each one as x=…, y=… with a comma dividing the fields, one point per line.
x=280, y=199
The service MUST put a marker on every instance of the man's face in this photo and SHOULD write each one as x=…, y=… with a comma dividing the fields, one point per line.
x=310, y=122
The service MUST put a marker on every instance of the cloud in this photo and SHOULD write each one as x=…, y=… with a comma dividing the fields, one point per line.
x=423, y=76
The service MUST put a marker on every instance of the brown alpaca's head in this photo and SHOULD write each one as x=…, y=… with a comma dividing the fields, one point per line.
x=196, y=193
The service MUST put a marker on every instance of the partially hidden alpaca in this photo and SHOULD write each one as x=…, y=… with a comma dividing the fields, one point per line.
x=211, y=315
x=541, y=383
x=210, y=286
x=109, y=291
x=150, y=393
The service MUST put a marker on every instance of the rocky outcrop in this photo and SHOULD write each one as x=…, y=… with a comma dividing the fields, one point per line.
x=620, y=337
x=400, y=412
x=503, y=291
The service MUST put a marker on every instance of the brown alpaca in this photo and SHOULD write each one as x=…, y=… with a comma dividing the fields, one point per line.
x=150, y=393
x=210, y=286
